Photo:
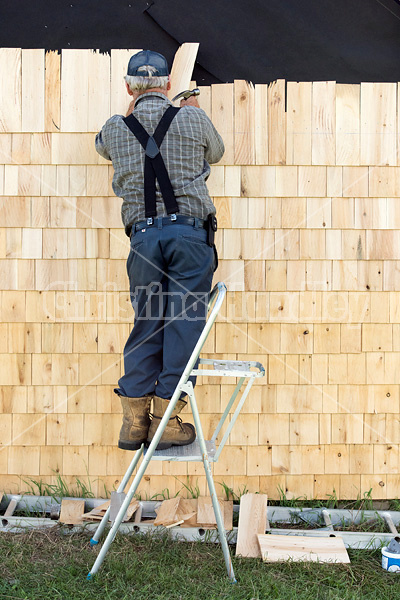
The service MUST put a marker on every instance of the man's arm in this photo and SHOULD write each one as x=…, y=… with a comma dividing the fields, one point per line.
x=101, y=147
x=214, y=144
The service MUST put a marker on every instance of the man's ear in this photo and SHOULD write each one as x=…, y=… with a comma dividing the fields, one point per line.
x=128, y=89
x=169, y=83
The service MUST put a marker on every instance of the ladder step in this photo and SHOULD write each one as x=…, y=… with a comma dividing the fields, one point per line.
x=191, y=452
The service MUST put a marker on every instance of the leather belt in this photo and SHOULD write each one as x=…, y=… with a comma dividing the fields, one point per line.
x=172, y=220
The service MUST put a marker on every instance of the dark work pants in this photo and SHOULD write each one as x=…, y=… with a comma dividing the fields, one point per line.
x=170, y=269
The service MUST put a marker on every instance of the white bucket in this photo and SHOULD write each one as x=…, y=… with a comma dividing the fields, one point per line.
x=390, y=561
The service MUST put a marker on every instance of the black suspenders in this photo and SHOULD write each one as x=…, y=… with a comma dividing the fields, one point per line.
x=154, y=166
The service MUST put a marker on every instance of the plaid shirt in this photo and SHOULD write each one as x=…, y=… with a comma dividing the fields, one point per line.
x=190, y=144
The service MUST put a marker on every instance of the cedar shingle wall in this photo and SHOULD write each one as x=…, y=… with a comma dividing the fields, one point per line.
x=308, y=205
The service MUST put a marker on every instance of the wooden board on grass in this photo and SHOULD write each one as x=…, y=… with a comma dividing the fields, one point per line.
x=167, y=512
x=138, y=514
x=252, y=521
x=187, y=511
x=278, y=548
x=228, y=515
x=205, y=510
x=72, y=511
x=206, y=517
x=11, y=508
x=97, y=513
x=132, y=508
x=117, y=500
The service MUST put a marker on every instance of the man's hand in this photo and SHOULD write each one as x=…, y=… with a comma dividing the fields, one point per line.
x=191, y=101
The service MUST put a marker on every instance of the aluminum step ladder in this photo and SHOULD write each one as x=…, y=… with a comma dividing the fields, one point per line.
x=201, y=450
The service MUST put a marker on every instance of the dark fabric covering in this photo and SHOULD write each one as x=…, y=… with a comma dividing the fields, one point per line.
x=259, y=40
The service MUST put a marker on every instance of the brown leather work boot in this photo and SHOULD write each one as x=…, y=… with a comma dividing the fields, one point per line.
x=176, y=433
x=135, y=422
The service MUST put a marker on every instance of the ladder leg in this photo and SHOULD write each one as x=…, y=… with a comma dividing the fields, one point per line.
x=218, y=517
x=99, y=531
x=210, y=481
x=134, y=485
x=115, y=526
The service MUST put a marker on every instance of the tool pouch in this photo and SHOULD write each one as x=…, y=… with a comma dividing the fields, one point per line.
x=211, y=229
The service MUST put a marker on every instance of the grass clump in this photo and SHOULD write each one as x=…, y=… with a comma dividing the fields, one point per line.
x=47, y=565
x=59, y=489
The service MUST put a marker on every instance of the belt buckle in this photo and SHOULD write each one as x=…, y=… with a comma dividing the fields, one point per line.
x=150, y=221
x=173, y=217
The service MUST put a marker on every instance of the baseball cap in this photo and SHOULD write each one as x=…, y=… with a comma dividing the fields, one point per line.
x=148, y=57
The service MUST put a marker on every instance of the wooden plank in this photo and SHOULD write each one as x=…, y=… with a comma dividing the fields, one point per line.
x=33, y=90
x=11, y=507
x=347, y=124
x=6, y=141
x=167, y=513
x=73, y=149
x=182, y=68
x=187, y=511
x=222, y=118
x=279, y=548
x=298, y=134
x=261, y=123
x=334, y=182
x=244, y=123
x=323, y=123
x=174, y=524
x=228, y=515
x=258, y=182
x=74, y=90
x=72, y=511
x=138, y=514
x=41, y=149
x=205, y=510
x=20, y=148
x=252, y=521
x=52, y=98
x=10, y=89
x=97, y=513
x=276, y=123
x=98, y=103
x=117, y=499
x=204, y=99
x=119, y=99
x=378, y=124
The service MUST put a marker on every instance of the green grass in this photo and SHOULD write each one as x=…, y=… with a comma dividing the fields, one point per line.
x=48, y=565
x=83, y=489
x=60, y=489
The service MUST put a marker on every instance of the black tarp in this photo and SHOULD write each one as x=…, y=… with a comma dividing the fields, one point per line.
x=259, y=40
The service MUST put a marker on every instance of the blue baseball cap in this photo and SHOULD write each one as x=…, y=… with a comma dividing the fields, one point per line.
x=148, y=57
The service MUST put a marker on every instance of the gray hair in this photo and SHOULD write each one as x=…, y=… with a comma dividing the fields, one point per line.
x=147, y=81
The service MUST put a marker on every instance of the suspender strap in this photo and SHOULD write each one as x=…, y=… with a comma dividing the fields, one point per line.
x=154, y=166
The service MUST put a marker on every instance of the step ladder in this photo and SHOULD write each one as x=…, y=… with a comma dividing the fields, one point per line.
x=201, y=450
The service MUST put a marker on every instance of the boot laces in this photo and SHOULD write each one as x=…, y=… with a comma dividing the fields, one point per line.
x=179, y=421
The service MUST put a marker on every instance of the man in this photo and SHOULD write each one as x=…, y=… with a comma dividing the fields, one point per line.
x=161, y=157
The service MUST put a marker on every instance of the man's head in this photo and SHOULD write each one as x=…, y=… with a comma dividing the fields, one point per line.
x=147, y=70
